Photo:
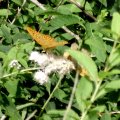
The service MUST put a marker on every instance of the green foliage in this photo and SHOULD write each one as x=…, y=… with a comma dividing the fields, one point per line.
x=83, y=93
x=86, y=62
x=93, y=26
x=115, y=26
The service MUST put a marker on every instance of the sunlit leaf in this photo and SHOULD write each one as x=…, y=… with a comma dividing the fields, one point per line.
x=115, y=26
x=85, y=61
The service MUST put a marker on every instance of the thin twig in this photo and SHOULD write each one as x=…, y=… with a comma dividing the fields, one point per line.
x=82, y=8
x=111, y=113
x=115, y=112
x=71, y=33
x=19, y=10
x=31, y=115
x=63, y=27
x=71, y=97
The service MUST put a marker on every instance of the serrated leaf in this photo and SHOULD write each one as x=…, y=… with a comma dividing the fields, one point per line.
x=6, y=33
x=115, y=26
x=85, y=61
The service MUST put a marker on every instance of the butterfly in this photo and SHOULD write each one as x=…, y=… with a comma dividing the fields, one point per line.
x=45, y=41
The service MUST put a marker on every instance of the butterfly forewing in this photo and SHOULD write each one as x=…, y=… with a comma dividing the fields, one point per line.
x=45, y=41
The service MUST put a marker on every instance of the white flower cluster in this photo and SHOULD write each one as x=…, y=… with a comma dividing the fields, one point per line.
x=50, y=64
x=15, y=64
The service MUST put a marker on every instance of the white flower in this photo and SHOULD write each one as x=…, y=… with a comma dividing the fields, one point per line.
x=61, y=66
x=15, y=63
x=41, y=59
x=50, y=64
x=34, y=56
x=41, y=77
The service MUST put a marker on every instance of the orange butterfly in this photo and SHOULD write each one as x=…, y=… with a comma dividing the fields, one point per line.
x=45, y=41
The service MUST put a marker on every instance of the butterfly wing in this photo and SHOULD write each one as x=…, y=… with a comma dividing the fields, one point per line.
x=52, y=43
x=36, y=36
x=45, y=41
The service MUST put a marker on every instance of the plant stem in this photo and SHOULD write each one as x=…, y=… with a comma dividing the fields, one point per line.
x=24, y=106
x=19, y=10
x=72, y=96
x=93, y=98
x=59, y=81
x=19, y=72
x=31, y=115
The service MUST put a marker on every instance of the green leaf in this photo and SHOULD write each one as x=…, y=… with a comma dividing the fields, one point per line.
x=57, y=113
x=6, y=33
x=83, y=91
x=102, y=16
x=111, y=86
x=9, y=86
x=46, y=117
x=2, y=55
x=115, y=26
x=106, y=116
x=114, y=85
x=69, y=8
x=99, y=108
x=23, y=62
x=104, y=2
x=12, y=53
x=10, y=56
x=97, y=46
x=62, y=20
x=93, y=115
x=103, y=74
x=28, y=47
x=60, y=94
x=18, y=2
x=9, y=107
x=85, y=61
x=114, y=58
x=5, y=12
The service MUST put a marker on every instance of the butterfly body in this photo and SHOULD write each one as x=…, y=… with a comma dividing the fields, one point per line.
x=45, y=41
